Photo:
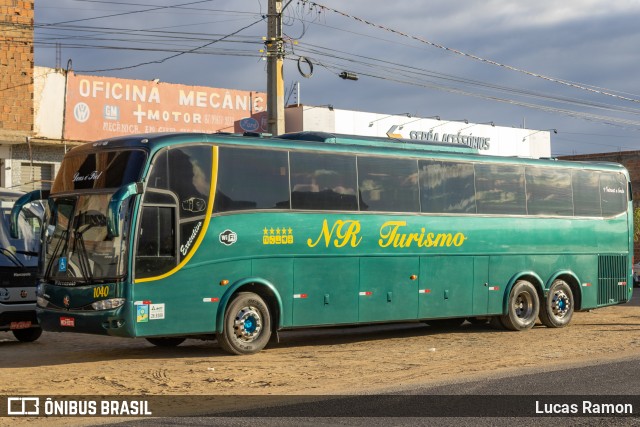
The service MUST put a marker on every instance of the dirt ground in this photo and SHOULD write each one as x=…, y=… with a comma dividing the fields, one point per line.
x=321, y=361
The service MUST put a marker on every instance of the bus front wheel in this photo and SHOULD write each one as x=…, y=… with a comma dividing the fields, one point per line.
x=247, y=325
x=523, y=307
x=558, y=306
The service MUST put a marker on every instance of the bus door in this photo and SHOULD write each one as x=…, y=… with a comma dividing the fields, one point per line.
x=481, y=285
x=446, y=286
x=388, y=288
x=171, y=294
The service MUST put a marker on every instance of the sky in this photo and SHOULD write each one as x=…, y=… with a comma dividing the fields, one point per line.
x=572, y=67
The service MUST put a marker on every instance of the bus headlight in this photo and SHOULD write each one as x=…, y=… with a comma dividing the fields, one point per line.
x=107, y=304
x=41, y=302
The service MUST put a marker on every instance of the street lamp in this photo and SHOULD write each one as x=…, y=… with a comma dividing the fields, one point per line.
x=449, y=121
x=538, y=131
x=417, y=120
x=476, y=124
x=386, y=117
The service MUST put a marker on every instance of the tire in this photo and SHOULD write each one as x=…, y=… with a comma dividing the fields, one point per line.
x=445, y=323
x=166, y=342
x=523, y=307
x=558, y=306
x=246, y=326
x=27, y=335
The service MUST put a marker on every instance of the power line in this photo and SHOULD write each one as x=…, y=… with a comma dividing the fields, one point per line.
x=129, y=13
x=613, y=121
x=159, y=61
x=475, y=57
x=412, y=72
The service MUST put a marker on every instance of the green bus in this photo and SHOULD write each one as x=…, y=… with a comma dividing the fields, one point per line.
x=237, y=237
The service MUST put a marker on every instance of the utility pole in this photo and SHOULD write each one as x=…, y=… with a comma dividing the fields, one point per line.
x=275, y=61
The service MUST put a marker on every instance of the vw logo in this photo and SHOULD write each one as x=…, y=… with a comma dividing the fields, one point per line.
x=81, y=112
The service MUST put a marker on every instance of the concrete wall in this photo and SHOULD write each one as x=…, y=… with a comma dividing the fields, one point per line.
x=49, y=93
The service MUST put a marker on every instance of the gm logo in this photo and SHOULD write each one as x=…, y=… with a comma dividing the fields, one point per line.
x=23, y=406
x=111, y=112
x=81, y=112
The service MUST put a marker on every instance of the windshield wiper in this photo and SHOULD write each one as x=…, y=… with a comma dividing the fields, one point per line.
x=83, y=258
x=30, y=253
x=62, y=238
x=11, y=256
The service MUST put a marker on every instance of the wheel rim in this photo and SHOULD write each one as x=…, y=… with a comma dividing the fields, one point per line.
x=247, y=324
x=523, y=306
x=560, y=304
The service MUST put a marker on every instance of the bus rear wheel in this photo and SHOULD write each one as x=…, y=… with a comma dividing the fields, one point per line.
x=558, y=306
x=166, y=342
x=523, y=307
x=247, y=325
x=27, y=335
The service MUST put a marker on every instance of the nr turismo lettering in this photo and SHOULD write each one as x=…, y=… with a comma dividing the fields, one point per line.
x=392, y=234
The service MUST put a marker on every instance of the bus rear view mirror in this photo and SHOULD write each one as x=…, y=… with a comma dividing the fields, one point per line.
x=20, y=203
x=115, y=205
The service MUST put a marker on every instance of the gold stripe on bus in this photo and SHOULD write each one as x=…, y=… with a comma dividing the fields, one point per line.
x=212, y=192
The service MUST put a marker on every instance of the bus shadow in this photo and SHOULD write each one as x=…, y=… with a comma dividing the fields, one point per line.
x=364, y=333
x=61, y=349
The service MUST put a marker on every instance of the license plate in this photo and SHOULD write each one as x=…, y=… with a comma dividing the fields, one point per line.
x=69, y=322
x=20, y=325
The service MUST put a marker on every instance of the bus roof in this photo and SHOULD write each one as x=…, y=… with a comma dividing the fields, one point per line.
x=323, y=141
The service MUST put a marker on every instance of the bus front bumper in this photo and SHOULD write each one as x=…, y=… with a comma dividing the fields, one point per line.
x=22, y=314
x=105, y=322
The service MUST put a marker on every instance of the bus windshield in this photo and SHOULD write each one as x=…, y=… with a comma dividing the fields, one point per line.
x=77, y=247
x=23, y=250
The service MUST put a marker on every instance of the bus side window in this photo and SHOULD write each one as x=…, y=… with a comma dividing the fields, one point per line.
x=156, y=241
x=549, y=191
x=252, y=179
x=613, y=193
x=500, y=189
x=586, y=185
x=388, y=185
x=180, y=179
x=323, y=182
x=447, y=187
